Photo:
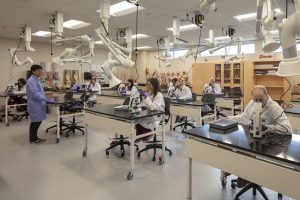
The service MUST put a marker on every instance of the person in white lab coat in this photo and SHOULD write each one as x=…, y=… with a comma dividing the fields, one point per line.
x=275, y=119
x=130, y=87
x=95, y=89
x=183, y=92
x=212, y=87
x=20, y=97
x=153, y=100
x=172, y=87
x=272, y=112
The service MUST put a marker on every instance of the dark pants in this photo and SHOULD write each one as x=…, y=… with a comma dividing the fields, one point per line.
x=33, y=129
x=141, y=130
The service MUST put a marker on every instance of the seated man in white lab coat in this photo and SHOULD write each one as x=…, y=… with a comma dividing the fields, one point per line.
x=212, y=87
x=183, y=93
x=275, y=119
x=95, y=89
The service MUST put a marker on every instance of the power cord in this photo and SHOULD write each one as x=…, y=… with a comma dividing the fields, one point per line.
x=136, y=42
x=158, y=49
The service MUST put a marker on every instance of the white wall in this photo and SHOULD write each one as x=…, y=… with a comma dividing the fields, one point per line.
x=42, y=54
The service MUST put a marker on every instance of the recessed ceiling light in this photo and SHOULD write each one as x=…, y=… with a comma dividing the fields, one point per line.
x=186, y=27
x=245, y=17
x=123, y=8
x=99, y=42
x=42, y=34
x=274, y=32
x=75, y=24
x=138, y=36
x=144, y=47
x=252, y=16
x=222, y=38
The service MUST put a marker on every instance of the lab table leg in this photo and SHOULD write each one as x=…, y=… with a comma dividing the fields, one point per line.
x=86, y=141
x=189, y=179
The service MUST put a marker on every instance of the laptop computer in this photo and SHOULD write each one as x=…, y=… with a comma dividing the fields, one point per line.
x=223, y=124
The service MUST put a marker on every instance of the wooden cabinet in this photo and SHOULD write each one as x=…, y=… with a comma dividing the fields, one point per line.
x=227, y=75
x=264, y=73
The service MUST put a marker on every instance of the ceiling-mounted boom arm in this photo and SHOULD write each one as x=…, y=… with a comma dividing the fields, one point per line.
x=290, y=65
x=120, y=58
x=207, y=6
x=73, y=55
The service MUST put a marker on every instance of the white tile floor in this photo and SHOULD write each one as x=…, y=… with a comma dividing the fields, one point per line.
x=50, y=171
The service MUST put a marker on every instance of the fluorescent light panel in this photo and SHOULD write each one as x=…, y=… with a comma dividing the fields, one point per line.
x=144, y=47
x=187, y=27
x=75, y=24
x=98, y=42
x=42, y=34
x=245, y=17
x=139, y=36
x=123, y=8
x=222, y=38
x=252, y=16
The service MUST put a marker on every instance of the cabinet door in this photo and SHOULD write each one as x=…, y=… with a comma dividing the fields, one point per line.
x=227, y=74
x=237, y=74
x=201, y=73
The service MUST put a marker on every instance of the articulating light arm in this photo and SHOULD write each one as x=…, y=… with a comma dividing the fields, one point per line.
x=265, y=24
x=26, y=32
x=207, y=6
x=232, y=41
x=16, y=60
x=70, y=54
x=120, y=59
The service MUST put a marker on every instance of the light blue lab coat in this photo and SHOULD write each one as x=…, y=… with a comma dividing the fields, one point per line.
x=36, y=99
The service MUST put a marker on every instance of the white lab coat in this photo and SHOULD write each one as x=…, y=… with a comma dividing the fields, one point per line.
x=185, y=93
x=21, y=91
x=158, y=103
x=216, y=90
x=134, y=89
x=270, y=112
x=171, y=90
x=96, y=90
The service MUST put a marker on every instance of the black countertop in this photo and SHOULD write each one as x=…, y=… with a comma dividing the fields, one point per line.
x=114, y=95
x=187, y=103
x=110, y=111
x=3, y=94
x=295, y=111
x=278, y=147
x=63, y=100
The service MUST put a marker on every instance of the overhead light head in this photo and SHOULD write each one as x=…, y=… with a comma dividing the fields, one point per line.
x=289, y=67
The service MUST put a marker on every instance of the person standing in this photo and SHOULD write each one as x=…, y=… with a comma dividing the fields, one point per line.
x=36, y=101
